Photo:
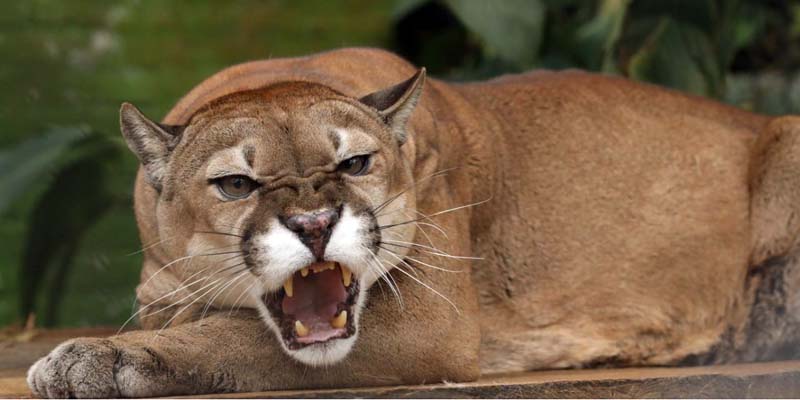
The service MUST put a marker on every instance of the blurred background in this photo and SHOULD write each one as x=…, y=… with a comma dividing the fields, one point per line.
x=68, y=240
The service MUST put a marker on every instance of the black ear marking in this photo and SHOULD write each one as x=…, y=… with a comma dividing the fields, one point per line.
x=395, y=103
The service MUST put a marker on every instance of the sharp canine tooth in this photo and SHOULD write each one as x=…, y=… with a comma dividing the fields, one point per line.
x=304, y=272
x=340, y=320
x=288, y=287
x=300, y=329
x=347, y=276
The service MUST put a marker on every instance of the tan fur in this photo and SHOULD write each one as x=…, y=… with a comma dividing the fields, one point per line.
x=623, y=223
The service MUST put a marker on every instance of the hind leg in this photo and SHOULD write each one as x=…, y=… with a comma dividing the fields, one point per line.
x=772, y=329
x=775, y=190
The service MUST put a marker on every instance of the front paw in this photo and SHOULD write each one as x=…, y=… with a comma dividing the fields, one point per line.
x=91, y=368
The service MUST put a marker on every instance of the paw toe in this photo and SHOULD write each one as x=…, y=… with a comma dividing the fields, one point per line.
x=78, y=368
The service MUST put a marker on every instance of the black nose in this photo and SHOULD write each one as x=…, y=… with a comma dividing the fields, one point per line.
x=313, y=228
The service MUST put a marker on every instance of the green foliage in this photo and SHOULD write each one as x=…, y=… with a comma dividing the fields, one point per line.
x=679, y=56
x=33, y=161
x=510, y=30
x=596, y=39
x=690, y=45
x=67, y=172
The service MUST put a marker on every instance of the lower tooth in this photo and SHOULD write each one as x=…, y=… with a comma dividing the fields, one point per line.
x=340, y=320
x=300, y=329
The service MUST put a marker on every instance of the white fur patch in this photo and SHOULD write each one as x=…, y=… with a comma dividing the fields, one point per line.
x=279, y=254
x=347, y=238
x=353, y=142
x=344, y=144
x=229, y=161
x=326, y=353
x=348, y=245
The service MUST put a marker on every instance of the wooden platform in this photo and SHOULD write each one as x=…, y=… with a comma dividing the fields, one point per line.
x=776, y=379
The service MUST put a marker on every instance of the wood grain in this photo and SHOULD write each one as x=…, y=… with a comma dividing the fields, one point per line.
x=758, y=380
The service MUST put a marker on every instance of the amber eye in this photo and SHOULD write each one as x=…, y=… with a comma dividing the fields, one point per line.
x=236, y=186
x=357, y=165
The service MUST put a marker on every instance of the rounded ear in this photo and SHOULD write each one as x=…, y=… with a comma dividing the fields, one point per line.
x=152, y=143
x=395, y=103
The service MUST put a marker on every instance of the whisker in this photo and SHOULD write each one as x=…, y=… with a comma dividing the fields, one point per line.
x=184, y=286
x=158, y=272
x=174, y=303
x=422, y=262
x=220, y=233
x=416, y=271
x=222, y=253
x=385, y=276
x=148, y=247
x=234, y=266
x=167, y=265
x=443, y=172
x=430, y=222
x=433, y=215
x=231, y=226
x=219, y=292
x=427, y=249
x=408, y=267
x=166, y=324
x=428, y=265
x=419, y=229
x=425, y=285
x=178, y=260
x=234, y=307
x=195, y=255
x=231, y=258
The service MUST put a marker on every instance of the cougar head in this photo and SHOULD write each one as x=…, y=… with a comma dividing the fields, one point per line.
x=278, y=199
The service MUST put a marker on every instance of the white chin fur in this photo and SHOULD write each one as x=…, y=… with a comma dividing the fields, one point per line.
x=328, y=353
x=321, y=354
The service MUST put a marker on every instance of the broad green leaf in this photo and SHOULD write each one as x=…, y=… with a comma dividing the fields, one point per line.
x=738, y=26
x=403, y=7
x=677, y=56
x=77, y=198
x=510, y=30
x=794, y=31
x=699, y=13
x=563, y=3
x=596, y=39
x=31, y=161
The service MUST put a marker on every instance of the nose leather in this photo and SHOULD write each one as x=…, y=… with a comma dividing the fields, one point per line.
x=313, y=228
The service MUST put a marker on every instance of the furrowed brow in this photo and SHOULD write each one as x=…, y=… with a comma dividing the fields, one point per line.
x=226, y=162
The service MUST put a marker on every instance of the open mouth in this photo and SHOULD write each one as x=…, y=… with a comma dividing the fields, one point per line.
x=315, y=305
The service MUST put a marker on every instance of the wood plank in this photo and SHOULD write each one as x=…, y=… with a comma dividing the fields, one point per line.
x=773, y=379
x=20, y=349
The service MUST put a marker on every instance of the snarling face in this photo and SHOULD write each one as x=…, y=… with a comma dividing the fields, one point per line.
x=279, y=199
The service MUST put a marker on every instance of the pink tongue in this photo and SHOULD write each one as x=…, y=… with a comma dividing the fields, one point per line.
x=314, y=302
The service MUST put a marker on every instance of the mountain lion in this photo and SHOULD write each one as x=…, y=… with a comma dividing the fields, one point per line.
x=311, y=222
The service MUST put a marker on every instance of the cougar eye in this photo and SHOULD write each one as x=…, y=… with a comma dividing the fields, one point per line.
x=357, y=165
x=236, y=186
